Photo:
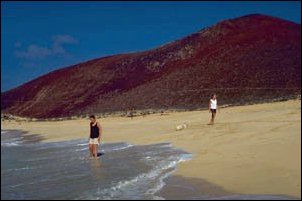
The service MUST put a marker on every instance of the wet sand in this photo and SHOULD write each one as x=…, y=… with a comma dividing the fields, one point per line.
x=253, y=149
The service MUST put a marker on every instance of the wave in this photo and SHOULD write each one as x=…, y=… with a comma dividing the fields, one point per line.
x=126, y=146
x=82, y=144
x=16, y=141
x=160, y=172
x=107, y=147
x=10, y=144
x=85, y=148
x=18, y=169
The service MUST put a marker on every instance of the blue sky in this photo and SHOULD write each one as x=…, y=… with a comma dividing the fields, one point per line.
x=39, y=37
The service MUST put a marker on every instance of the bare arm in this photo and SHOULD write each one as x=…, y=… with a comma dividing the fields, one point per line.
x=89, y=132
x=100, y=131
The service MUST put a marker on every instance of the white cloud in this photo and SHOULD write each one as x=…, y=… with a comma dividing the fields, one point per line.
x=64, y=39
x=59, y=41
x=36, y=52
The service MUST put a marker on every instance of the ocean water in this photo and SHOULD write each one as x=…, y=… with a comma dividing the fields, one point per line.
x=31, y=169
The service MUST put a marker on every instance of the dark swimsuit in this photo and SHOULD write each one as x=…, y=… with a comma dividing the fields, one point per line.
x=213, y=110
x=94, y=131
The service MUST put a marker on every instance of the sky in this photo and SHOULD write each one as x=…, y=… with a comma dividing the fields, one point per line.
x=39, y=37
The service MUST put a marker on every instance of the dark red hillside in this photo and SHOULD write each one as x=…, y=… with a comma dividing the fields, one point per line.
x=252, y=58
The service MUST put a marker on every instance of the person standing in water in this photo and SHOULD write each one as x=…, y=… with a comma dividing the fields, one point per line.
x=213, y=108
x=95, y=136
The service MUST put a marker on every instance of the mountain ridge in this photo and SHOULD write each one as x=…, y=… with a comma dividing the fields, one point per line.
x=221, y=56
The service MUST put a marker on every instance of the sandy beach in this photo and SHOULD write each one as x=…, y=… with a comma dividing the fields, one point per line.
x=254, y=149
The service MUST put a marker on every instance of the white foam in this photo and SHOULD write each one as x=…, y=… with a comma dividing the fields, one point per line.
x=82, y=144
x=169, y=145
x=121, y=148
x=36, y=159
x=10, y=144
x=115, y=191
x=24, y=168
x=109, y=149
x=161, y=182
x=82, y=149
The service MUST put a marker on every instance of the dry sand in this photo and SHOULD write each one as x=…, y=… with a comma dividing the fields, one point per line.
x=253, y=149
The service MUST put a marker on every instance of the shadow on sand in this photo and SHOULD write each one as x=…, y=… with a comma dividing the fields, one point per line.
x=186, y=188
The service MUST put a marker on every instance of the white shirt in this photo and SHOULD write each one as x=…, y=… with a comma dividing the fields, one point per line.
x=213, y=104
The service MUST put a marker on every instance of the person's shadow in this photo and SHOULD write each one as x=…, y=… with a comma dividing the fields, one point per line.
x=101, y=154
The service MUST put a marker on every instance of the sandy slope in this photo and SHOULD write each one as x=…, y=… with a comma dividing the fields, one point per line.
x=252, y=149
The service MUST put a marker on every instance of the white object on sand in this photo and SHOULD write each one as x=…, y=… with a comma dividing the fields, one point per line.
x=181, y=126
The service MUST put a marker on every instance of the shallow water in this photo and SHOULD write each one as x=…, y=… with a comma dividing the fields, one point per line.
x=31, y=169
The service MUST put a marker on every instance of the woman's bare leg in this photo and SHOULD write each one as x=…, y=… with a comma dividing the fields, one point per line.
x=213, y=117
x=91, y=150
x=95, y=150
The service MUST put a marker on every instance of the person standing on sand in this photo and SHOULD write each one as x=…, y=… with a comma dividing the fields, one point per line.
x=213, y=108
x=95, y=136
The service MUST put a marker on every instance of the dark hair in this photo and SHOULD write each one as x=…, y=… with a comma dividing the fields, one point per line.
x=92, y=116
x=213, y=95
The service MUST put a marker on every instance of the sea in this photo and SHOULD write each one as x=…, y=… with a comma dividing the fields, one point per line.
x=34, y=169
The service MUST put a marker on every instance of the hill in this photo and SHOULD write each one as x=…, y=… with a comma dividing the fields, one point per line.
x=248, y=59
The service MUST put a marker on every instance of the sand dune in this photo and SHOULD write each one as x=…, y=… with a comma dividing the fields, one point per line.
x=253, y=149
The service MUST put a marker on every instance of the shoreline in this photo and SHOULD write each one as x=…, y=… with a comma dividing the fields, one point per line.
x=253, y=149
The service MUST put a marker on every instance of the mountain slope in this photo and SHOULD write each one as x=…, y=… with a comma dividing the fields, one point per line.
x=251, y=58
